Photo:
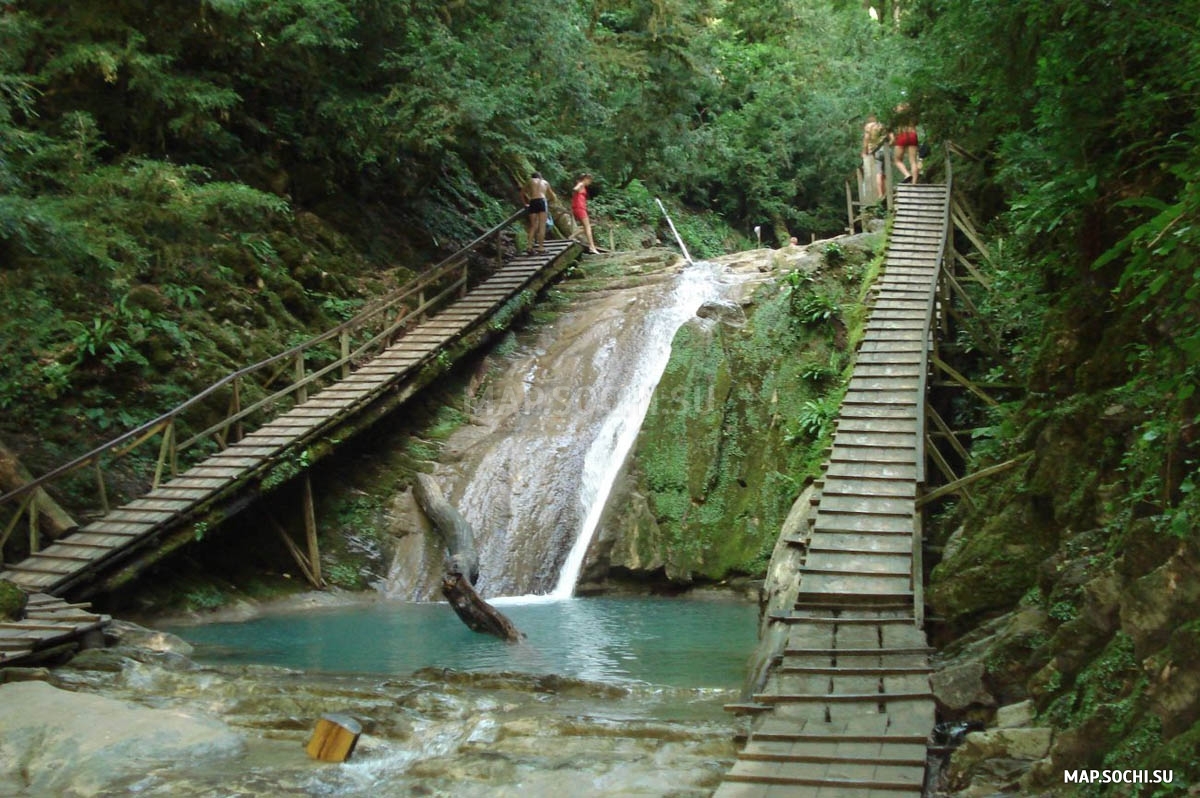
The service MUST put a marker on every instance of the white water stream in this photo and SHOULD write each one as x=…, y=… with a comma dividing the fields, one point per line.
x=607, y=452
x=552, y=434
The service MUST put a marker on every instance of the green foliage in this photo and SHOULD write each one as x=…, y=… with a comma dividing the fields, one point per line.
x=815, y=307
x=814, y=417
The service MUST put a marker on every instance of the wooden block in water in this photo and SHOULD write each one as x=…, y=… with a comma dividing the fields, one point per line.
x=334, y=738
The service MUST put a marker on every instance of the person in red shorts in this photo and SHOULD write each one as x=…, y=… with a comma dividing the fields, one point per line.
x=579, y=199
x=904, y=143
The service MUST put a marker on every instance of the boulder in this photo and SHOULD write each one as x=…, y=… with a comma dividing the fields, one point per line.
x=1015, y=715
x=57, y=742
x=959, y=688
x=723, y=311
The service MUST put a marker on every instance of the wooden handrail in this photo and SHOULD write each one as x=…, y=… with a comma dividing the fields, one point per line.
x=127, y=442
x=930, y=316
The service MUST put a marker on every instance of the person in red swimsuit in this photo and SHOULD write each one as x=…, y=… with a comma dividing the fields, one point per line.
x=904, y=144
x=579, y=199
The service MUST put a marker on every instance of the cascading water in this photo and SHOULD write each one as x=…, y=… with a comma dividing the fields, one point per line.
x=607, y=453
x=560, y=423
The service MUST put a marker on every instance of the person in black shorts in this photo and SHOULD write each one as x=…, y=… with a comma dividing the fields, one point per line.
x=536, y=194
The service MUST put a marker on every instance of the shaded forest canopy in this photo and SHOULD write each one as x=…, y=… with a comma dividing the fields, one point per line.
x=198, y=183
x=186, y=187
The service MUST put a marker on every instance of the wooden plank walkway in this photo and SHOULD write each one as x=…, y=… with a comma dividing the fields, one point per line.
x=49, y=622
x=847, y=709
x=101, y=544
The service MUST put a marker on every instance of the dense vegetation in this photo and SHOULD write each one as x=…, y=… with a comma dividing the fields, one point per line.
x=185, y=187
x=1079, y=125
x=199, y=184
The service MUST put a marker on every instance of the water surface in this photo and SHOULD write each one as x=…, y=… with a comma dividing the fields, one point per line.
x=665, y=641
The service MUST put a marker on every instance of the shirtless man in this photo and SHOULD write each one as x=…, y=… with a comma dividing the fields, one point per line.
x=874, y=134
x=536, y=194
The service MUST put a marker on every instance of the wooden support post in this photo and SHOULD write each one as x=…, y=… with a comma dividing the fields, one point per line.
x=959, y=485
x=463, y=291
x=974, y=272
x=964, y=224
x=334, y=738
x=294, y=550
x=959, y=291
x=944, y=428
x=310, y=530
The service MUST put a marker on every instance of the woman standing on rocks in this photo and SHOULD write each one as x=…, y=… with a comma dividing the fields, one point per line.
x=579, y=198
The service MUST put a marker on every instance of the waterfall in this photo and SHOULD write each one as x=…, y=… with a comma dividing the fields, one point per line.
x=551, y=430
x=606, y=454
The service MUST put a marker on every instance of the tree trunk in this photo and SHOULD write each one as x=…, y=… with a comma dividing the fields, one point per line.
x=477, y=614
x=462, y=563
x=455, y=531
x=53, y=520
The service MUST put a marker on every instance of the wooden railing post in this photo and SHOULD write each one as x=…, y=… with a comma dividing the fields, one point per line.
x=166, y=453
x=101, y=488
x=344, y=341
x=463, y=291
x=33, y=527
x=302, y=391
x=849, y=210
x=239, y=430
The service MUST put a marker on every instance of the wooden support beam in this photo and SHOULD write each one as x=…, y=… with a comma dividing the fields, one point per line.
x=944, y=428
x=963, y=381
x=310, y=530
x=948, y=473
x=294, y=550
x=963, y=222
x=992, y=341
x=959, y=485
x=972, y=270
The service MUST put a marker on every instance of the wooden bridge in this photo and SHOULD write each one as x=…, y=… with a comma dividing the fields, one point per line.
x=250, y=434
x=847, y=709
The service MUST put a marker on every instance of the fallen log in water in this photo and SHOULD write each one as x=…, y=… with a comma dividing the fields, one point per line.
x=477, y=614
x=462, y=563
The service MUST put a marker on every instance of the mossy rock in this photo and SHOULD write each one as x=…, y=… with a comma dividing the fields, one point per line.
x=996, y=565
x=12, y=601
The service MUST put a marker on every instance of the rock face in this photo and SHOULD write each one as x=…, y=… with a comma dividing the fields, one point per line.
x=57, y=742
